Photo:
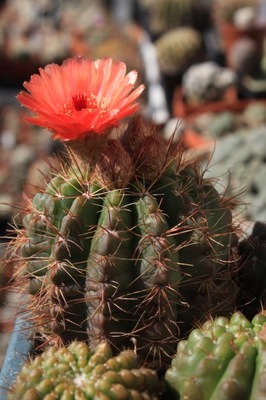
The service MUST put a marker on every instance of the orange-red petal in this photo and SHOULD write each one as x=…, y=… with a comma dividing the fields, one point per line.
x=80, y=96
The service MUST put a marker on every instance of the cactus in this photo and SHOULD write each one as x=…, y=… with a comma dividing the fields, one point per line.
x=76, y=372
x=178, y=49
x=169, y=14
x=128, y=243
x=223, y=359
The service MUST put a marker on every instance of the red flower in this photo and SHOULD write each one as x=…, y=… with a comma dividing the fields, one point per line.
x=80, y=96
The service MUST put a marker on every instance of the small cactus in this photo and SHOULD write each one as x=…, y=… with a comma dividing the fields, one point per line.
x=76, y=372
x=206, y=81
x=223, y=359
x=178, y=49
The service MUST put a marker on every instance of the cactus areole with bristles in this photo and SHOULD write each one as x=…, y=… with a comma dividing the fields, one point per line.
x=127, y=243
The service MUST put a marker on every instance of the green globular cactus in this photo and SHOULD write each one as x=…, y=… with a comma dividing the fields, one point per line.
x=223, y=359
x=178, y=49
x=134, y=262
x=77, y=373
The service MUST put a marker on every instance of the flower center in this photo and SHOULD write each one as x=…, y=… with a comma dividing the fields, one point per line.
x=80, y=101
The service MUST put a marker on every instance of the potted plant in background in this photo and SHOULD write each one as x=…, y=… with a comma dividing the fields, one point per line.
x=177, y=50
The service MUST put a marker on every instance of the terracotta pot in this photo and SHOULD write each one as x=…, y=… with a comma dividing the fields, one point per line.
x=182, y=109
x=230, y=101
x=191, y=139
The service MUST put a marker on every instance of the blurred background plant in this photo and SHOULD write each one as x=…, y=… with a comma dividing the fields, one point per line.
x=164, y=15
x=39, y=32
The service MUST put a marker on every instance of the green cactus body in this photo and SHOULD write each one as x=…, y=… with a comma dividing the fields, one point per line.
x=59, y=231
x=205, y=284
x=157, y=279
x=224, y=359
x=126, y=261
x=77, y=373
x=110, y=271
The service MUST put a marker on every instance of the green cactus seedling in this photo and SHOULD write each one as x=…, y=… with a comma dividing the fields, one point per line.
x=223, y=359
x=75, y=372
